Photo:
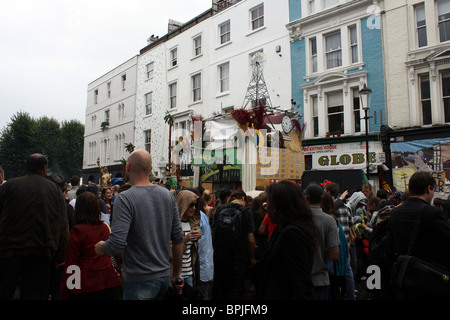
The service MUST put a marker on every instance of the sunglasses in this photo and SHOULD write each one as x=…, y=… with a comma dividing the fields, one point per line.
x=193, y=204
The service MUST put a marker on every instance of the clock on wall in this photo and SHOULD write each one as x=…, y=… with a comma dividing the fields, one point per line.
x=258, y=62
x=286, y=124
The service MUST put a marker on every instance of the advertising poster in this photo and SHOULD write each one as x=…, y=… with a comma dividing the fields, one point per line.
x=431, y=155
x=345, y=156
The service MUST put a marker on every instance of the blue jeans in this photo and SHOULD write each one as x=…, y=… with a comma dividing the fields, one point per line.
x=349, y=280
x=189, y=280
x=148, y=290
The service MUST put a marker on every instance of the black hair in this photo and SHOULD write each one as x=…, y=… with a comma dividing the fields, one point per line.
x=36, y=162
x=237, y=195
x=419, y=183
x=74, y=180
x=287, y=206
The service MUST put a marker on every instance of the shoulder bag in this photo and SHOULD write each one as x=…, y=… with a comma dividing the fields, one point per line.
x=416, y=276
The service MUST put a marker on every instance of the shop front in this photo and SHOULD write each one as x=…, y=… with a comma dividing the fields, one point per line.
x=347, y=156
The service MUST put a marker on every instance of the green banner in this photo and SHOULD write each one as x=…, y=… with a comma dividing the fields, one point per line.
x=212, y=158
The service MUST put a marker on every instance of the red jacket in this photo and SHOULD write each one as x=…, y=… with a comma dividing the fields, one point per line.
x=96, y=272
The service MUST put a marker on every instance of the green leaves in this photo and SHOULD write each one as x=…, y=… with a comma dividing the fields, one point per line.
x=62, y=143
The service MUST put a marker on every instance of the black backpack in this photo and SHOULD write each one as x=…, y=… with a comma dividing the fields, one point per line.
x=381, y=244
x=228, y=233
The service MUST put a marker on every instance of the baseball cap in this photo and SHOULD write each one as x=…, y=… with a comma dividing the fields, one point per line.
x=313, y=190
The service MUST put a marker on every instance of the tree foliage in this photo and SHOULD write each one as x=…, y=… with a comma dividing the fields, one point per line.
x=62, y=143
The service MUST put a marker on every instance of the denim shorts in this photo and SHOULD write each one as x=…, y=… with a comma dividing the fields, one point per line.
x=148, y=290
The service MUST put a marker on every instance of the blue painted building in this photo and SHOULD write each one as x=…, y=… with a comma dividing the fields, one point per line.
x=336, y=48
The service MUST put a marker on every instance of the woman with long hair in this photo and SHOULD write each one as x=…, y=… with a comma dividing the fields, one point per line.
x=107, y=197
x=288, y=260
x=97, y=277
x=188, y=207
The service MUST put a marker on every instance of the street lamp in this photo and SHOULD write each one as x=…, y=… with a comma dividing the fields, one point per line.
x=365, y=95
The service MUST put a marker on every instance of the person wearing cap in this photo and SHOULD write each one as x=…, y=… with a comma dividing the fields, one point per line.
x=328, y=244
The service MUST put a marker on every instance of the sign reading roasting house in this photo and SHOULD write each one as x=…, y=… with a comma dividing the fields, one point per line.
x=345, y=155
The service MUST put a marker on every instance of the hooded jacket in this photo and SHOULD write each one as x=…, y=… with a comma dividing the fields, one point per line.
x=353, y=201
x=184, y=199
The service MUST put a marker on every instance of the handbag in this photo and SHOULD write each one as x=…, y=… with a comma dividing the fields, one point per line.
x=352, y=236
x=416, y=276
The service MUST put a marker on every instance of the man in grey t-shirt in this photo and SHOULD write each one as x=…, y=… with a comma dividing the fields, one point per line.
x=328, y=245
x=145, y=221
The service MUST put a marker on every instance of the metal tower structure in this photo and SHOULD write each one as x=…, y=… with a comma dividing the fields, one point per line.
x=257, y=91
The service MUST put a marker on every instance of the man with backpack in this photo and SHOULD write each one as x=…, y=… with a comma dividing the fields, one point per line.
x=234, y=247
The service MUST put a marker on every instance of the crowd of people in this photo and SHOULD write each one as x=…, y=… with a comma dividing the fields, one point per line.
x=144, y=241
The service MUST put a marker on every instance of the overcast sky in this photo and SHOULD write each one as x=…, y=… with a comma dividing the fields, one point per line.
x=50, y=50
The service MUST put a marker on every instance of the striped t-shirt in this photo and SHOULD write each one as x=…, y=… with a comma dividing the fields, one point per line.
x=186, y=271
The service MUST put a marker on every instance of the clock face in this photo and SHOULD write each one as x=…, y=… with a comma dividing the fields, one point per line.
x=286, y=124
x=258, y=62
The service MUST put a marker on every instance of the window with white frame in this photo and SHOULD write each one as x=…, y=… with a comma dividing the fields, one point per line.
x=173, y=95
x=315, y=116
x=150, y=70
x=443, y=8
x=148, y=140
x=257, y=17
x=182, y=128
x=92, y=152
x=353, y=43
x=121, y=111
x=329, y=3
x=197, y=87
x=148, y=103
x=197, y=46
x=421, y=26
x=356, y=111
x=333, y=50
x=335, y=111
x=224, y=32
x=224, y=77
x=425, y=98
x=105, y=150
x=313, y=44
x=119, y=142
x=445, y=77
x=93, y=122
x=124, y=81
x=107, y=116
x=173, y=57
x=312, y=6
